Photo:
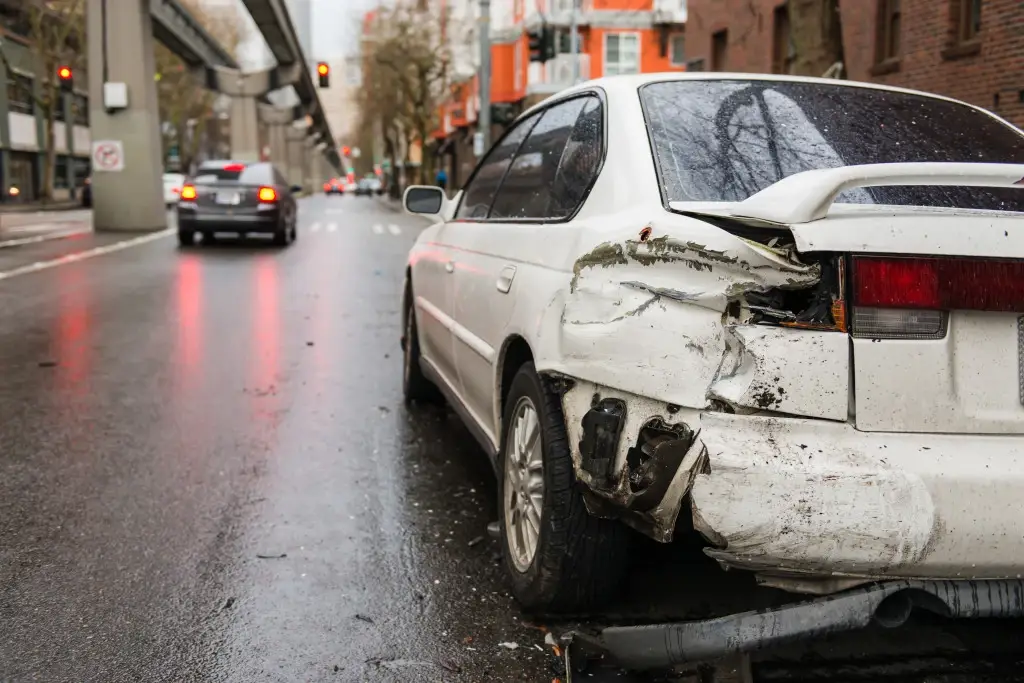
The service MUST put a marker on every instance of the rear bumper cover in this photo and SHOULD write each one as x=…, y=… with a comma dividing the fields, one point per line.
x=800, y=496
x=243, y=220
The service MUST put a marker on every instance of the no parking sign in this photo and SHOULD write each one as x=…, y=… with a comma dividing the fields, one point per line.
x=108, y=155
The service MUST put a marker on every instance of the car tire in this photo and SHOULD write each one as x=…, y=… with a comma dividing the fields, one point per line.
x=579, y=559
x=186, y=238
x=283, y=238
x=416, y=388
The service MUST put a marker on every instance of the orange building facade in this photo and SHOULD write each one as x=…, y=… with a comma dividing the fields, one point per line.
x=615, y=37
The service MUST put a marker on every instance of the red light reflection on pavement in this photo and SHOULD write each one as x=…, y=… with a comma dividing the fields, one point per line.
x=189, y=290
x=266, y=339
x=72, y=342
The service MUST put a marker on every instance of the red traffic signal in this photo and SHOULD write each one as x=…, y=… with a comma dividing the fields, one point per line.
x=324, y=72
x=66, y=78
x=346, y=151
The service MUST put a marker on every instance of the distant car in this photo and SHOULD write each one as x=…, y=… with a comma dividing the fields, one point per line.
x=87, y=193
x=376, y=186
x=365, y=188
x=334, y=186
x=172, y=187
x=237, y=197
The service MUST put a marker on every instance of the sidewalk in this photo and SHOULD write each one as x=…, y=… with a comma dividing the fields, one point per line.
x=31, y=207
x=18, y=228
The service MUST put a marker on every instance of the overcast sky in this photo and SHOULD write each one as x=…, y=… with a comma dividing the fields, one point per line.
x=335, y=25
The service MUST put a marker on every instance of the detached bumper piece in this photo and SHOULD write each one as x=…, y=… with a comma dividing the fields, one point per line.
x=663, y=646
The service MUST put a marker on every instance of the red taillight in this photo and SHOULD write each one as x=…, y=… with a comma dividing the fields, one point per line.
x=188, y=192
x=944, y=284
x=909, y=298
x=267, y=194
x=234, y=168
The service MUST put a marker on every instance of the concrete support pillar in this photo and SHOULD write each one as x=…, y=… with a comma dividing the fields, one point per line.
x=245, y=88
x=310, y=167
x=121, y=51
x=296, y=139
x=278, y=121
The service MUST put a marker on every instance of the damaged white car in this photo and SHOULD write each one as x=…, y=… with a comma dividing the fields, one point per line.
x=786, y=314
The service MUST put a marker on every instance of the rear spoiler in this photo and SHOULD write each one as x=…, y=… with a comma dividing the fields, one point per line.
x=807, y=196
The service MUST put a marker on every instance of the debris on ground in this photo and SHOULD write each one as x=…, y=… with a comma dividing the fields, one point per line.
x=509, y=646
x=272, y=557
x=363, y=617
x=476, y=541
x=494, y=530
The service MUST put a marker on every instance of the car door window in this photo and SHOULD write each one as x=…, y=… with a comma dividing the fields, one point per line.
x=525, y=192
x=580, y=162
x=479, y=194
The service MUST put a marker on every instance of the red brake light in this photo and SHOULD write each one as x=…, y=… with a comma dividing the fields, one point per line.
x=234, y=168
x=188, y=192
x=267, y=194
x=944, y=284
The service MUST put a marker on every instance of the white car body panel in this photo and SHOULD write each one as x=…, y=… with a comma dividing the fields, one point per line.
x=845, y=456
x=172, y=187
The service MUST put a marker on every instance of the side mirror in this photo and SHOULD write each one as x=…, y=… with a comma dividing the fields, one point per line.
x=425, y=200
x=296, y=189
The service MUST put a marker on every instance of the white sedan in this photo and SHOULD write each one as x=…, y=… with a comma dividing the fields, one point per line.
x=173, y=182
x=784, y=314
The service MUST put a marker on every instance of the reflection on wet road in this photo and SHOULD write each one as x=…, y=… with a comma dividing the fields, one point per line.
x=207, y=473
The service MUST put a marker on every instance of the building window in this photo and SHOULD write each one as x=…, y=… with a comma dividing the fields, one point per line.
x=677, y=50
x=563, y=42
x=889, y=16
x=20, y=98
x=969, y=25
x=719, y=45
x=783, y=50
x=60, y=173
x=621, y=54
x=82, y=170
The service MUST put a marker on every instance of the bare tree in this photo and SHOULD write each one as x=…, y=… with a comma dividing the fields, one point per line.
x=56, y=31
x=407, y=68
x=185, y=105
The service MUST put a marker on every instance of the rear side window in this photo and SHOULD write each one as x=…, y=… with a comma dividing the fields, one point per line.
x=479, y=193
x=581, y=161
x=527, y=189
x=724, y=140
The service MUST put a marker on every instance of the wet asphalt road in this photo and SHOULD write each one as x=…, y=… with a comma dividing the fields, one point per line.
x=207, y=474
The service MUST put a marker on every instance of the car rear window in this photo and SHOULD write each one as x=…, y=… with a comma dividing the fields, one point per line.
x=253, y=174
x=724, y=140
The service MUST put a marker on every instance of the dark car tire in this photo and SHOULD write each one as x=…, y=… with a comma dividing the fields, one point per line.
x=187, y=238
x=416, y=388
x=284, y=237
x=580, y=559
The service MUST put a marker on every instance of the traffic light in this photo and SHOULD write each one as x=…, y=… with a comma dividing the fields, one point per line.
x=346, y=151
x=67, y=80
x=324, y=72
x=542, y=43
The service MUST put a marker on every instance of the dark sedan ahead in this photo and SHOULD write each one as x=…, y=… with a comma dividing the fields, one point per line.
x=237, y=197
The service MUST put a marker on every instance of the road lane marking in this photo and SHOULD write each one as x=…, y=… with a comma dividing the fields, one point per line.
x=22, y=241
x=394, y=229
x=89, y=253
x=378, y=229
x=332, y=227
x=315, y=227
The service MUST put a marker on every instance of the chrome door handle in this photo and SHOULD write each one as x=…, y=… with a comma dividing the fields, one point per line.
x=504, y=283
x=450, y=267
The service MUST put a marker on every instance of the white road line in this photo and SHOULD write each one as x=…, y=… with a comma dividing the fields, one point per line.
x=314, y=228
x=394, y=229
x=82, y=255
x=331, y=227
x=21, y=241
x=378, y=229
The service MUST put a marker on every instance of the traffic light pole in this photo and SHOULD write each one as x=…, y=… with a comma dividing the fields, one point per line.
x=484, y=116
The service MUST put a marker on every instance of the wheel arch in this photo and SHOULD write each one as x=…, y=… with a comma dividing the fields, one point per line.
x=515, y=352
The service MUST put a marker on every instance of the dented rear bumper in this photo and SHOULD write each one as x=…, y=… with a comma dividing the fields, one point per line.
x=811, y=505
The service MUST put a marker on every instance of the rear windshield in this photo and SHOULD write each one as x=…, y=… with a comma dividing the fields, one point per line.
x=231, y=173
x=726, y=140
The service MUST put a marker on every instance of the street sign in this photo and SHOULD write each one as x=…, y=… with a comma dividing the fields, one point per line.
x=108, y=155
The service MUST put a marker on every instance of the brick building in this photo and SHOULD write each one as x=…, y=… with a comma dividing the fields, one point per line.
x=972, y=50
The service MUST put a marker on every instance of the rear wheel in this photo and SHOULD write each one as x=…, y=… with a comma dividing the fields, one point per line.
x=284, y=236
x=559, y=557
x=186, y=238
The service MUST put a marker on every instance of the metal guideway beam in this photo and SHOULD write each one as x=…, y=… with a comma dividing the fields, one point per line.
x=176, y=28
x=275, y=24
